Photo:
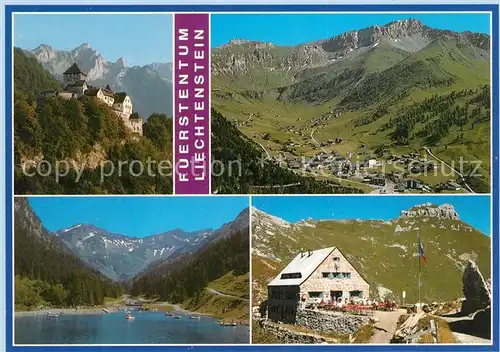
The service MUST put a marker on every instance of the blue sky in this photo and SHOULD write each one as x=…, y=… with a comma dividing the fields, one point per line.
x=474, y=210
x=292, y=29
x=140, y=38
x=138, y=216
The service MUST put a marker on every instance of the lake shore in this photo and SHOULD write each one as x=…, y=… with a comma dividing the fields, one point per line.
x=65, y=311
x=174, y=308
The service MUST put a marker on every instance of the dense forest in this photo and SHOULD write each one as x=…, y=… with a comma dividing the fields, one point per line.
x=89, y=136
x=432, y=118
x=229, y=145
x=187, y=276
x=47, y=273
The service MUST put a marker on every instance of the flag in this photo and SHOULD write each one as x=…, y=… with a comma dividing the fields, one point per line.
x=421, y=251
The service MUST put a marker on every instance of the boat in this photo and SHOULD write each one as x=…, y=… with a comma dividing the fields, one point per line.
x=177, y=317
x=52, y=315
x=222, y=323
x=194, y=317
x=129, y=317
x=105, y=310
x=167, y=314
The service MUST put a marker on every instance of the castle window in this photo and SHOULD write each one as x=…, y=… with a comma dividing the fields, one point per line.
x=336, y=259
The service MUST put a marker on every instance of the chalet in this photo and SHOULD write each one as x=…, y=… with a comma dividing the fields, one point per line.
x=369, y=163
x=311, y=277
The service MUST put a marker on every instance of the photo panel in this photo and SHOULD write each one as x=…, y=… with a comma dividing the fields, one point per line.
x=371, y=269
x=92, y=103
x=351, y=103
x=131, y=271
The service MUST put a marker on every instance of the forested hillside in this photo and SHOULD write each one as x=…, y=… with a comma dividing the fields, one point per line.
x=229, y=146
x=186, y=277
x=86, y=135
x=47, y=273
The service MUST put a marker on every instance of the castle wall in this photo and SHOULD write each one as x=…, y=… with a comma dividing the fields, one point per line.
x=70, y=78
x=66, y=95
x=135, y=125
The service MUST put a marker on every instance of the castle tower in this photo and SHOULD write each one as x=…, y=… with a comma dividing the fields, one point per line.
x=73, y=74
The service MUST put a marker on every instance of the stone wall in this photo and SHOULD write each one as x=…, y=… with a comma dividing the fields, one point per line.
x=286, y=335
x=322, y=321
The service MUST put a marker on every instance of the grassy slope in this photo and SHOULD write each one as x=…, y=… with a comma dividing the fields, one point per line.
x=439, y=62
x=226, y=308
x=386, y=257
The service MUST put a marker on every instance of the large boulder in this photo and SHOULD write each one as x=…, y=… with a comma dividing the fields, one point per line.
x=476, y=290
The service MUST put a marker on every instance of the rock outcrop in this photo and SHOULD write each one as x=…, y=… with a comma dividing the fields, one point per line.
x=476, y=291
x=444, y=211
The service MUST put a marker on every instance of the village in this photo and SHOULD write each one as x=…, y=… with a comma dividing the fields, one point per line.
x=76, y=85
x=385, y=172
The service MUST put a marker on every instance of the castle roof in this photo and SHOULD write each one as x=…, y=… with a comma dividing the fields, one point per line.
x=74, y=69
x=92, y=91
x=120, y=97
x=108, y=92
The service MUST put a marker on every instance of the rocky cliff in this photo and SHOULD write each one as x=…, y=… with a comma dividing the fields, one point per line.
x=444, y=211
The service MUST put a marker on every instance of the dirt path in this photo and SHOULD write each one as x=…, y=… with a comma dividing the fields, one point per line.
x=386, y=327
x=226, y=295
x=469, y=339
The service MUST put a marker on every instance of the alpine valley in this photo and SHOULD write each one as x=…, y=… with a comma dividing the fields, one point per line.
x=85, y=284
x=205, y=270
x=377, y=107
x=385, y=253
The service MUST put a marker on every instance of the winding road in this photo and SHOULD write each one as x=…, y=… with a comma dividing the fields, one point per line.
x=442, y=161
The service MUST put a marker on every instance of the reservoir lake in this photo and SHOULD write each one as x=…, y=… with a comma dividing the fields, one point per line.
x=113, y=328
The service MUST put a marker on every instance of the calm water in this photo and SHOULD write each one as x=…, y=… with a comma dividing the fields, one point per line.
x=147, y=328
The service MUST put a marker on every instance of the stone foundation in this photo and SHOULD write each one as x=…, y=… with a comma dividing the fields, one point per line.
x=288, y=336
x=322, y=321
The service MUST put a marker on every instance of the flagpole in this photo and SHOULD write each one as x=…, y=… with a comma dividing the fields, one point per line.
x=419, y=270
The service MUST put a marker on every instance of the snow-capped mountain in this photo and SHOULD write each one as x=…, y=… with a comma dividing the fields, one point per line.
x=121, y=257
x=149, y=86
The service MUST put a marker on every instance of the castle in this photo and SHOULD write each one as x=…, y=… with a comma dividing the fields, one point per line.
x=75, y=83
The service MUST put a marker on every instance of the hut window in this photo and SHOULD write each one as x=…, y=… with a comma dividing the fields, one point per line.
x=291, y=276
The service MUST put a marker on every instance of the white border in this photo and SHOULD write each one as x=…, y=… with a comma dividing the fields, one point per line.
x=256, y=2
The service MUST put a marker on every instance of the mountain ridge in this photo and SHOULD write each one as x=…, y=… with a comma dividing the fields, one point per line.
x=154, y=78
x=121, y=257
x=381, y=92
x=383, y=251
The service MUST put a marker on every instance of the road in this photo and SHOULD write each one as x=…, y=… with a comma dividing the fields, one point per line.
x=387, y=189
x=278, y=186
x=316, y=142
x=211, y=290
x=265, y=150
x=386, y=327
x=458, y=172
